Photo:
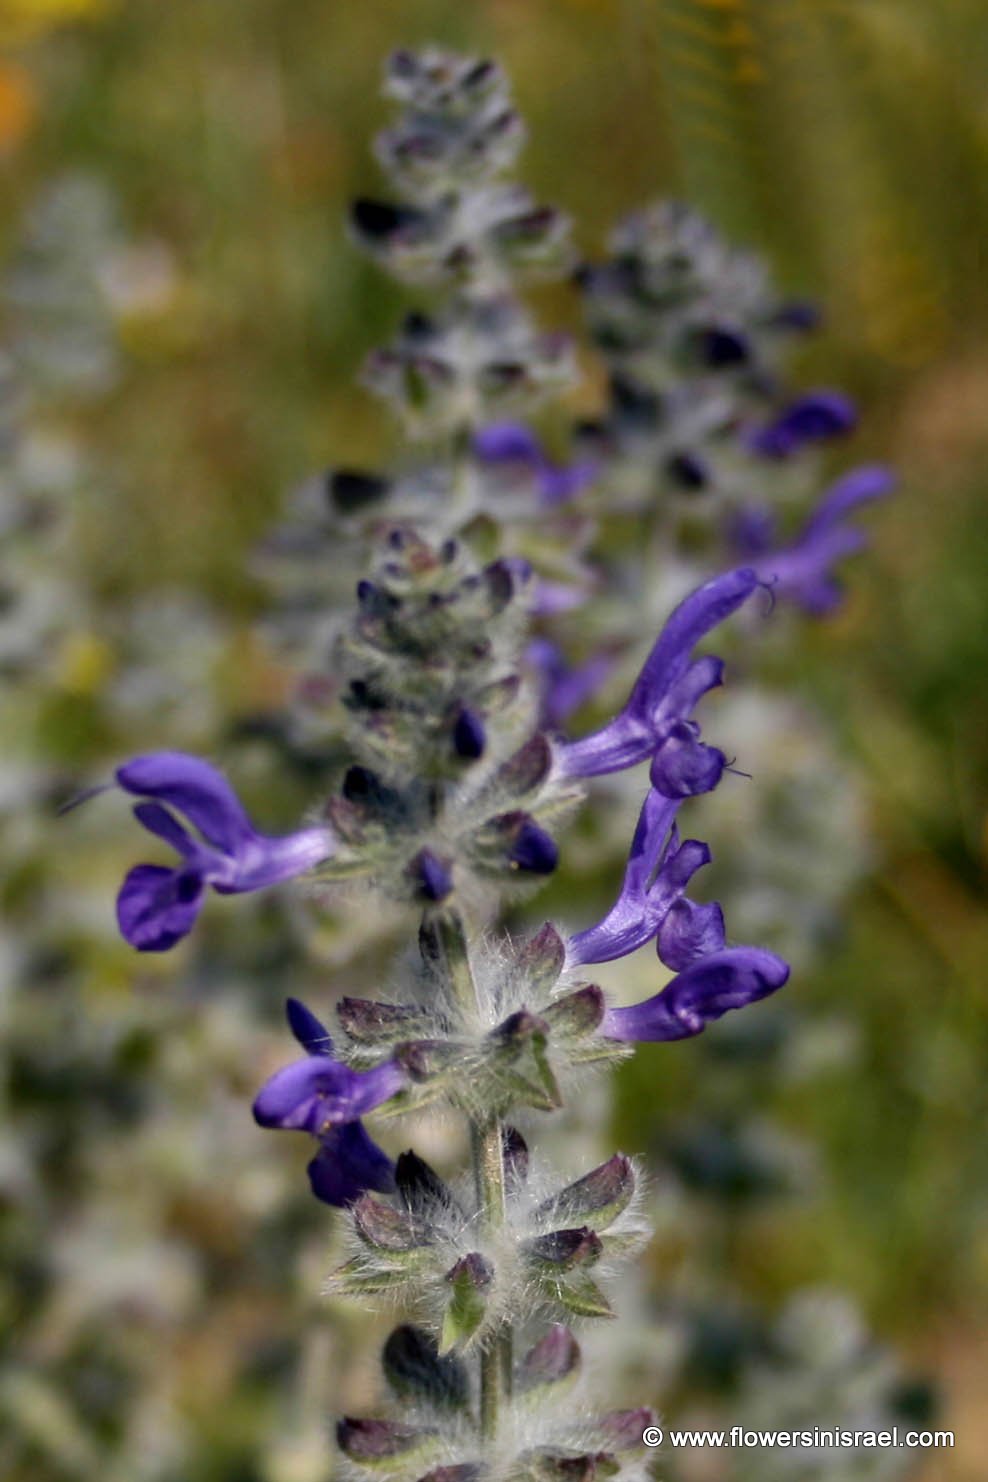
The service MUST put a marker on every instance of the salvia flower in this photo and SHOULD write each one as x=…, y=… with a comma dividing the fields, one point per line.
x=703, y=992
x=511, y=446
x=157, y=905
x=814, y=417
x=321, y=1096
x=656, y=720
x=564, y=687
x=802, y=570
x=658, y=871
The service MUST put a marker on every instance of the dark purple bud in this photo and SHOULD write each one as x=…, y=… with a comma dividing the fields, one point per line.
x=420, y=1189
x=416, y=1371
x=815, y=417
x=469, y=736
x=688, y=471
x=380, y=222
x=634, y=404
x=564, y=1249
x=721, y=345
x=434, y=879
x=799, y=314
x=533, y=850
x=359, y=784
x=350, y=490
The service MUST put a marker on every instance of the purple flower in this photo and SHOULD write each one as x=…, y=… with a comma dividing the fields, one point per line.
x=564, y=687
x=815, y=417
x=703, y=992
x=512, y=445
x=158, y=906
x=321, y=1096
x=655, y=721
x=658, y=871
x=801, y=570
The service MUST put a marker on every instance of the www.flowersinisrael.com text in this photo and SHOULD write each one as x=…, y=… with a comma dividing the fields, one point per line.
x=742, y=1438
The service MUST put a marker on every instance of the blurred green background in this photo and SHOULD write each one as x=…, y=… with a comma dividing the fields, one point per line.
x=847, y=141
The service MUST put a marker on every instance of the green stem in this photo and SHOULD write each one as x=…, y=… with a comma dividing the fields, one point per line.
x=488, y=1162
x=447, y=936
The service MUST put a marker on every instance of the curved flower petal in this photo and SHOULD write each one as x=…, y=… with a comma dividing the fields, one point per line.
x=643, y=902
x=669, y=684
x=683, y=766
x=310, y=1032
x=193, y=787
x=165, y=825
x=156, y=906
x=317, y=1092
x=814, y=417
x=692, y=620
x=347, y=1164
x=859, y=486
x=689, y=932
x=802, y=570
x=702, y=993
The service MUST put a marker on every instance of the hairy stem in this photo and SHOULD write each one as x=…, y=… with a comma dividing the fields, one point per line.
x=448, y=935
x=495, y=1360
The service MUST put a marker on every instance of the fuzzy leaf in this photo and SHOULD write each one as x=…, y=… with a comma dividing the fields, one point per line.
x=520, y=777
x=583, y=1297
x=383, y=1226
x=576, y=1014
x=372, y=1023
x=567, y=1466
x=597, y=1198
x=519, y=1063
x=442, y=944
x=355, y=1278
x=417, y=1371
x=467, y=1471
x=541, y=959
x=428, y=1059
x=378, y=1442
x=621, y=1430
x=470, y=1279
x=563, y=1250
